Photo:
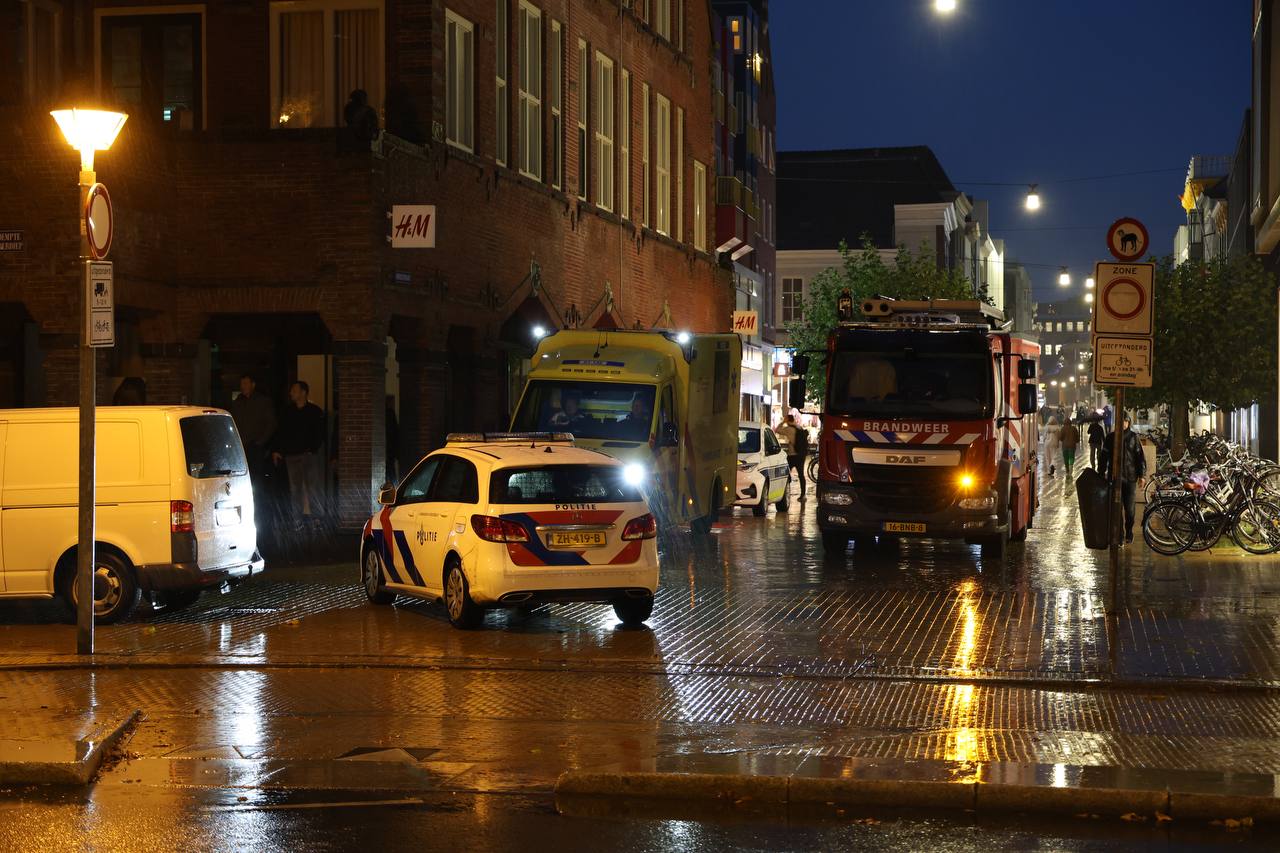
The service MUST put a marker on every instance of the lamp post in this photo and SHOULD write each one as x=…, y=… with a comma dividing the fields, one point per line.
x=87, y=131
x=1033, y=198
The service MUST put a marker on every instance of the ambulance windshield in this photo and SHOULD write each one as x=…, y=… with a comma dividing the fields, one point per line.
x=609, y=411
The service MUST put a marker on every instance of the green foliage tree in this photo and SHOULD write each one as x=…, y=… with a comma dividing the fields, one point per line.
x=1215, y=338
x=912, y=275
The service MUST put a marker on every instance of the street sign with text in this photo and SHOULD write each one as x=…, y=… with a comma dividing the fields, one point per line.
x=10, y=241
x=1122, y=361
x=100, y=298
x=1124, y=304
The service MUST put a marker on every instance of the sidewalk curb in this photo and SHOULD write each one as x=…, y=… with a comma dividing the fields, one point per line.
x=88, y=755
x=580, y=791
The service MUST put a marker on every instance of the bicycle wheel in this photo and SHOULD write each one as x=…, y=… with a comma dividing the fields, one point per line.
x=1257, y=528
x=811, y=469
x=1210, y=525
x=1168, y=527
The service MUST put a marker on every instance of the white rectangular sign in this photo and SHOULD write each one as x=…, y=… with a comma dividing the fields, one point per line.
x=1122, y=361
x=413, y=226
x=1125, y=299
x=99, y=298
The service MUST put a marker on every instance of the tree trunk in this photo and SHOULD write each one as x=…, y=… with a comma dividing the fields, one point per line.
x=1179, y=428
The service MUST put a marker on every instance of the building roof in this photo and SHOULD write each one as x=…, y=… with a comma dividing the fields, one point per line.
x=828, y=196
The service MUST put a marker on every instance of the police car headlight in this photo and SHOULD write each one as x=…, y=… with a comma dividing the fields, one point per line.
x=633, y=474
x=837, y=499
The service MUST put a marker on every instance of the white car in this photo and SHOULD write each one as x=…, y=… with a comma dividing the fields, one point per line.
x=763, y=476
x=510, y=519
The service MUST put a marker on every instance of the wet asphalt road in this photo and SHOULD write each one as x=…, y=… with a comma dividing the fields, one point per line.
x=761, y=649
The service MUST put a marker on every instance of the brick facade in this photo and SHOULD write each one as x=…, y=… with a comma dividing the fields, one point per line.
x=241, y=247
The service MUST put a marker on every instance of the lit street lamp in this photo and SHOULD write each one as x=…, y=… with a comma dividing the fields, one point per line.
x=1033, y=198
x=1089, y=283
x=1088, y=297
x=87, y=131
x=945, y=7
x=1064, y=277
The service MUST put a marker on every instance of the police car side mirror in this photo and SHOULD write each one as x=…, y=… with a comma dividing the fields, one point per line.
x=387, y=496
x=670, y=438
x=1027, y=399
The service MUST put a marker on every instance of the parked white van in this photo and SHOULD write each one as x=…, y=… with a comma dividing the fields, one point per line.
x=175, y=506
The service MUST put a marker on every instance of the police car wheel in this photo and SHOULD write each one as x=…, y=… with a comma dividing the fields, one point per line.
x=371, y=577
x=762, y=508
x=463, y=612
x=632, y=612
x=784, y=503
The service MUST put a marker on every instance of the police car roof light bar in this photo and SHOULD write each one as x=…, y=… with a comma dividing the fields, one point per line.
x=506, y=437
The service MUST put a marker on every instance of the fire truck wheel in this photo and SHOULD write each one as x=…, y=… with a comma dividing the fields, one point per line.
x=835, y=543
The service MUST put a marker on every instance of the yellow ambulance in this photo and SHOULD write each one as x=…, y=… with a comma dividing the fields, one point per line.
x=666, y=402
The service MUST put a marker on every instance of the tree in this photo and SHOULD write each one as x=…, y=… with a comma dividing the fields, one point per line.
x=913, y=275
x=1215, y=338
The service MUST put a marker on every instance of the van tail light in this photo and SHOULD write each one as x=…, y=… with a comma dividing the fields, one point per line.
x=644, y=527
x=493, y=529
x=182, y=517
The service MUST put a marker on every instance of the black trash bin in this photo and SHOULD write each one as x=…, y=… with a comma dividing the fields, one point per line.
x=1092, y=490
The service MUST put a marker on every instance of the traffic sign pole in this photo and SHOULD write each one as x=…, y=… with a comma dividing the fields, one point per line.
x=85, y=557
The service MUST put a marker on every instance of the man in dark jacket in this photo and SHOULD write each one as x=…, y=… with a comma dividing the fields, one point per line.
x=1132, y=471
x=1096, y=436
x=255, y=419
x=300, y=443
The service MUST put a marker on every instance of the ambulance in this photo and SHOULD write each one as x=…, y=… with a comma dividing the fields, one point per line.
x=664, y=401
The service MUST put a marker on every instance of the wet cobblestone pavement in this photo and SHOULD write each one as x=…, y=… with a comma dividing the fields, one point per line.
x=760, y=649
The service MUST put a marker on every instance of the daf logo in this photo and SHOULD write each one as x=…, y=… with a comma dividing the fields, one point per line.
x=890, y=459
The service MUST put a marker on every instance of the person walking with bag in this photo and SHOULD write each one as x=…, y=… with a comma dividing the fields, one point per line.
x=1096, y=436
x=795, y=439
x=1069, y=439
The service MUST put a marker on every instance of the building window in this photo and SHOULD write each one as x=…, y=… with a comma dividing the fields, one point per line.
x=39, y=50
x=151, y=66
x=792, y=301
x=529, y=132
x=661, y=21
x=679, y=165
x=662, y=154
x=680, y=25
x=735, y=29
x=699, y=206
x=322, y=51
x=624, y=144
x=604, y=163
x=459, y=81
x=644, y=154
x=556, y=70
x=584, y=101
x=502, y=109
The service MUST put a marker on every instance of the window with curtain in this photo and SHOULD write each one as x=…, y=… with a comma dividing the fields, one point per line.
x=322, y=51
x=459, y=47
x=529, y=132
x=699, y=206
x=604, y=131
x=151, y=66
x=662, y=168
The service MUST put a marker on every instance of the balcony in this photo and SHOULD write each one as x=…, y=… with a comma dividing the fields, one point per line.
x=729, y=192
x=1209, y=168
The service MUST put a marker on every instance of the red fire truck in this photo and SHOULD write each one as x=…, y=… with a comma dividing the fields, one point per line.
x=924, y=425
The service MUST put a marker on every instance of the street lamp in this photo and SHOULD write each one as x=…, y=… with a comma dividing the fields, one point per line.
x=945, y=7
x=1033, y=198
x=1089, y=283
x=87, y=131
x=1088, y=297
x=1064, y=277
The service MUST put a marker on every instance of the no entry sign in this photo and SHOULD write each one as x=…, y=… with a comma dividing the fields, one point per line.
x=1124, y=301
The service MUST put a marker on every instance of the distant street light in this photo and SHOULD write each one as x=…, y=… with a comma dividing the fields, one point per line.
x=1089, y=283
x=946, y=7
x=1064, y=277
x=1088, y=297
x=87, y=131
x=1080, y=366
x=1033, y=198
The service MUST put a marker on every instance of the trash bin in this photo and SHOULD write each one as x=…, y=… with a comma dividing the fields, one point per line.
x=1092, y=490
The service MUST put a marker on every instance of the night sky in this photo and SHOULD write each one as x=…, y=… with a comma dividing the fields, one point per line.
x=1028, y=91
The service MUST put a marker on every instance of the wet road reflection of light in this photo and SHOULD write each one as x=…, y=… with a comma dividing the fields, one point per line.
x=962, y=742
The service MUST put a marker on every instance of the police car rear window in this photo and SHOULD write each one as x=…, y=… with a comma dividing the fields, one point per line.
x=212, y=446
x=561, y=484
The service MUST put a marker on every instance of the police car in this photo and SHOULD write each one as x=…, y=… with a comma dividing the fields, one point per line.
x=763, y=475
x=511, y=519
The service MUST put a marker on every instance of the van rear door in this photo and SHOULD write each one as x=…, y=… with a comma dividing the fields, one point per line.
x=222, y=496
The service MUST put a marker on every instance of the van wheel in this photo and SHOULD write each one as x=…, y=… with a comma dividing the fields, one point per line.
x=463, y=612
x=761, y=509
x=179, y=599
x=115, y=589
x=371, y=578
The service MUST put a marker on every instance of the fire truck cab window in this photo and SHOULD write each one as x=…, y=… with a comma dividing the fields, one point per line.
x=911, y=383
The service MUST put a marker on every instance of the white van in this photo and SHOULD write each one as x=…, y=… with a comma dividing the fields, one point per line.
x=175, y=507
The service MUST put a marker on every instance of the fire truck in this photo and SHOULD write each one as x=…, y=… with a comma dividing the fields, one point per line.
x=925, y=427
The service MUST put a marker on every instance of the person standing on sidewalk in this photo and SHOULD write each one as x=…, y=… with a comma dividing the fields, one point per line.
x=1051, y=445
x=1096, y=436
x=1132, y=471
x=255, y=419
x=1069, y=438
x=300, y=443
x=795, y=440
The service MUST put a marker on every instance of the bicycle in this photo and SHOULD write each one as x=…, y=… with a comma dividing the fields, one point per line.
x=1211, y=506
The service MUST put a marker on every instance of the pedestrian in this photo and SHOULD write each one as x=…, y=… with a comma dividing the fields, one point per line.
x=1069, y=439
x=299, y=442
x=255, y=420
x=1107, y=415
x=1051, y=431
x=1096, y=436
x=1132, y=471
x=795, y=440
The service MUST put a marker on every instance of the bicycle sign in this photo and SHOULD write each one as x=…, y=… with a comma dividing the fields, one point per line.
x=1122, y=361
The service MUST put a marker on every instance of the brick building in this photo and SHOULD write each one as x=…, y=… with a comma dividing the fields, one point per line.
x=559, y=142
